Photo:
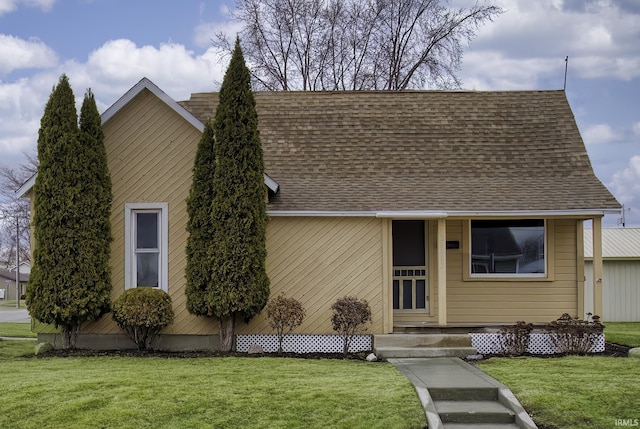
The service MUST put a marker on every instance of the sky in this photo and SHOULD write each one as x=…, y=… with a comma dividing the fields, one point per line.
x=109, y=45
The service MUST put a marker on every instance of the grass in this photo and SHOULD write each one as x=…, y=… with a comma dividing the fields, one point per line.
x=11, y=329
x=150, y=392
x=625, y=333
x=11, y=303
x=572, y=392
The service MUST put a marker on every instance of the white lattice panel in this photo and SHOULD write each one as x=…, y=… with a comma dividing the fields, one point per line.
x=539, y=344
x=302, y=343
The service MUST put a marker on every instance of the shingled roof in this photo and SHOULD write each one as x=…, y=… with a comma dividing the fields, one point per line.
x=423, y=151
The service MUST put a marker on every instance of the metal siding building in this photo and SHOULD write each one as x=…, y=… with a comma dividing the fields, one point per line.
x=621, y=273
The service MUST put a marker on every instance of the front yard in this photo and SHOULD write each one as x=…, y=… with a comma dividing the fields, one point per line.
x=576, y=392
x=151, y=392
x=572, y=392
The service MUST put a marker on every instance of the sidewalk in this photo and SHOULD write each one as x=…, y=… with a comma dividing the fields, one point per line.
x=19, y=315
x=446, y=378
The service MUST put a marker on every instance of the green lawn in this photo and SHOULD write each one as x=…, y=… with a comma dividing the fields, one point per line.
x=625, y=333
x=120, y=392
x=11, y=303
x=572, y=392
x=10, y=329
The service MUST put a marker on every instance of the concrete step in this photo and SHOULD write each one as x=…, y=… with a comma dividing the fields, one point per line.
x=481, y=426
x=474, y=412
x=422, y=340
x=422, y=352
x=464, y=393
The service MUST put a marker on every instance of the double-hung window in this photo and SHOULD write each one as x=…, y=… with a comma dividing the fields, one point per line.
x=146, y=230
x=508, y=248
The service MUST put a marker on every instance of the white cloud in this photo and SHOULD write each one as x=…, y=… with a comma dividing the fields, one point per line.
x=7, y=6
x=119, y=64
x=18, y=53
x=636, y=130
x=625, y=185
x=204, y=33
x=109, y=71
x=599, y=37
x=600, y=133
x=20, y=112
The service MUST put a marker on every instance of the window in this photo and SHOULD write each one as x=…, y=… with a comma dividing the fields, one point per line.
x=508, y=248
x=146, y=241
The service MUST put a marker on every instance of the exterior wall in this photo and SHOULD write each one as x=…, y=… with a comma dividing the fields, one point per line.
x=150, y=150
x=621, y=290
x=318, y=260
x=315, y=260
x=477, y=301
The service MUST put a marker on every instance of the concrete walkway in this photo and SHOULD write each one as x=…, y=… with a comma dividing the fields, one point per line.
x=19, y=315
x=455, y=394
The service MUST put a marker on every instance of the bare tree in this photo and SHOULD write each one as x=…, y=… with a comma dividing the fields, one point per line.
x=355, y=44
x=12, y=208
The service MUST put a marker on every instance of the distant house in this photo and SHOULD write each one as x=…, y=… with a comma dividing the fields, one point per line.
x=621, y=273
x=439, y=208
x=8, y=284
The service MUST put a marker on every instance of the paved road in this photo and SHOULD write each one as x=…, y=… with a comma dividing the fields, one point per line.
x=14, y=315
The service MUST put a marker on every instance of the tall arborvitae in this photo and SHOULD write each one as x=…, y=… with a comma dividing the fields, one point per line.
x=70, y=281
x=239, y=282
x=94, y=213
x=200, y=225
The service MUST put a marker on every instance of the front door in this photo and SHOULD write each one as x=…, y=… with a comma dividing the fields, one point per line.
x=410, y=271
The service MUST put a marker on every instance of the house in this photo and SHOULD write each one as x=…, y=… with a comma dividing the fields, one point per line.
x=440, y=208
x=621, y=273
x=8, y=284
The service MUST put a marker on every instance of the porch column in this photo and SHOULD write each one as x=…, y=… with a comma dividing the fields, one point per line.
x=441, y=250
x=597, y=266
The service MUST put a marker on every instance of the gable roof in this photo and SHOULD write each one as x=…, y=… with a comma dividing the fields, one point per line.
x=11, y=275
x=617, y=243
x=145, y=84
x=423, y=152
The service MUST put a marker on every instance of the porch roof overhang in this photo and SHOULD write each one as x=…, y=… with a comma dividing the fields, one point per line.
x=438, y=214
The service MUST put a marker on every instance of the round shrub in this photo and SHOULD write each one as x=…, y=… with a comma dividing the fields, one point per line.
x=142, y=313
x=284, y=315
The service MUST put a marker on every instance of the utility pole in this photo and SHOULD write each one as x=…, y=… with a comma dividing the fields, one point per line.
x=17, y=261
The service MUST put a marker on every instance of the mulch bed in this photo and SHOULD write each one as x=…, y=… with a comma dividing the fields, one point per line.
x=193, y=354
x=610, y=349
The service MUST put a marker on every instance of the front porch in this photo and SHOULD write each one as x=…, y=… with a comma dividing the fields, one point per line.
x=430, y=285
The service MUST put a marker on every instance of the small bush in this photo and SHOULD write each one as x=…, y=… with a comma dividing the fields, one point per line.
x=571, y=335
x=142, y=313
x=514, y=340
x=284, y=315
x=349, y=316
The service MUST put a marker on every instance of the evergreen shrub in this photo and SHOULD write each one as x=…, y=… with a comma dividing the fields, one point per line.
x=142, y=313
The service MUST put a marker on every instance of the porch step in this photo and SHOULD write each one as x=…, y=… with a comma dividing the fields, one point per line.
x=480, y=426
x=422, y=352
x=485, y=412
x=422, y=345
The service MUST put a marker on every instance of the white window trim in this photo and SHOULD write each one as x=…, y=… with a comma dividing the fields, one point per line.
x=129, y=210
x=545, y=275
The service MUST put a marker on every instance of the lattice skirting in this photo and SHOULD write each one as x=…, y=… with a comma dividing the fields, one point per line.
x=302, y=343
x=539, y=344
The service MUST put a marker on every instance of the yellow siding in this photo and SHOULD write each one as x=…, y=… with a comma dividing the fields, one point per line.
x=318, y=260
x=150, y=150
x=481, y=301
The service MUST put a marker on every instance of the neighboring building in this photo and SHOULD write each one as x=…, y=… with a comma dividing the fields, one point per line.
x=621, y=273
x=439, y=208
x=8, y=284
